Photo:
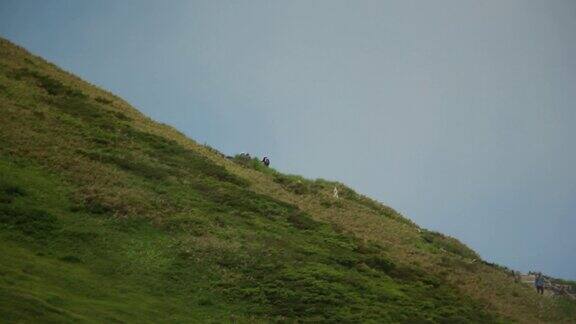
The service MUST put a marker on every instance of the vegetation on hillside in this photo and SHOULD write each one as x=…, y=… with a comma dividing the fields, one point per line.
x=108, y=216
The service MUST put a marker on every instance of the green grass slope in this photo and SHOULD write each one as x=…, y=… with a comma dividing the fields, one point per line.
x=107, y=216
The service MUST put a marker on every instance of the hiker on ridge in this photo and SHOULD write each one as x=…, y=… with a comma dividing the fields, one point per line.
x=266, y=161
x=539, y=283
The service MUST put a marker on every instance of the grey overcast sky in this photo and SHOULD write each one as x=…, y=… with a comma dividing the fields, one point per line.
x=460, y=114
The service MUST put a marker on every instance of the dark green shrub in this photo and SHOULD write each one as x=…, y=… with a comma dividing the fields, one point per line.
x=9, y=192
x=302, y=221
x=205, y=302
x=310, y=291
x=33, y=222
x=71, y=259
x=346, y=260
x=104, y=101
x=379, y=263
x=412, y=274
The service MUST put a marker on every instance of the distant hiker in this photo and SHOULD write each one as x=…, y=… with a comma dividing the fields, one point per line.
x=539, y=283
x=266, y=161
x=335, y=194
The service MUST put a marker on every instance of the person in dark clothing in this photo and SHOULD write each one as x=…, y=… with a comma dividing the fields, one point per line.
x=539, y=283
x=266, y=161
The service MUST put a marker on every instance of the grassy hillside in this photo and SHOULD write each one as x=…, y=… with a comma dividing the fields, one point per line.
x=108, y=216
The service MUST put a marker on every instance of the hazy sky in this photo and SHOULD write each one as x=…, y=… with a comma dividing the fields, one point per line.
x=460, y=114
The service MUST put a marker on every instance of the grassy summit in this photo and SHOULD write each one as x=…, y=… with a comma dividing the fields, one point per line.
x=106, y=215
